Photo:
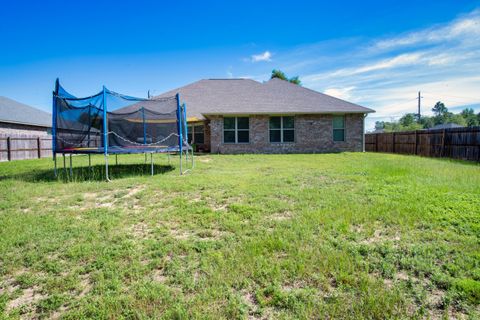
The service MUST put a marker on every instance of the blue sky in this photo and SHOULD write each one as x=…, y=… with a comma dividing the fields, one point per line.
x=375, y=53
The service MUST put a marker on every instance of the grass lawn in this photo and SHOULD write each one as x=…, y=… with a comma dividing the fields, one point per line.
x=250, y=236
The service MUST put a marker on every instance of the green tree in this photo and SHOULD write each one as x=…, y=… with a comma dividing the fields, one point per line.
x=441, y=114
x=379, y=125
x=426, y=122
x=470, y=117
x=457, y=119
x=282, y=76
x=408, y=119
x=278, y=74
x=439, y=109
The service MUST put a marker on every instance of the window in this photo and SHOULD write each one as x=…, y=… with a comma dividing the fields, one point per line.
x=198, y=134
x=189, y=134
x=236, y=130
x=195, y=134
x=282, y=129
x=339, y=128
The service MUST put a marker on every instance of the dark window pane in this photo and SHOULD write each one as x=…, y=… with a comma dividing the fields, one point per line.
x=288, y=123
x=243, y=136
x=242, y=123
x=198, y=136
x=189, y=139
x=338, y=122
x=229, y=136
x=198, y=129
x=288, y=135
x=228, y=123
x=338, y=135
x=275, y=136
x=275, y=122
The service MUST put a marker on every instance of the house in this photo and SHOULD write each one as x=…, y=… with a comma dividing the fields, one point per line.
x=247, y=116
x=24, y=131
x=446, y=126
x=20, y=119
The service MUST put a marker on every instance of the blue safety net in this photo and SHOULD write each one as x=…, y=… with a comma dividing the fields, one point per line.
x=109, y=122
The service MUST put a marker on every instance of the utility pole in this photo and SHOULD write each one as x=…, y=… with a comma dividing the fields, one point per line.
x=419, y=105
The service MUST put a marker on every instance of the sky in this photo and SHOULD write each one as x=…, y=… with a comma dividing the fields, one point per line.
x=378, y=54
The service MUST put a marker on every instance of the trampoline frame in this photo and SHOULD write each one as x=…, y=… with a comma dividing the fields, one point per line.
x=182, y=148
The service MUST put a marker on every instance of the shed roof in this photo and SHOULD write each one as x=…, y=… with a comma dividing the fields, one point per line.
x=12, y=111
x=245, y=96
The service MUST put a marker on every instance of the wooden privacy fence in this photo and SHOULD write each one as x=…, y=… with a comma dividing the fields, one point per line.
x=19, y=147
x=456, y=143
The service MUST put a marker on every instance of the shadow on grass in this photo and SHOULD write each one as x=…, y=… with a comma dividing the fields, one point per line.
x=95, y=173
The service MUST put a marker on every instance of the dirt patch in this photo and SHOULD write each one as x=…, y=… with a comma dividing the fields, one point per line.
x=203, y=159
x=29, y=297
x=252, y=304
x=141, y=230
x=282, y=216
x=158, y=276
x=380, y=236
x=181, y=234
x=86, y=285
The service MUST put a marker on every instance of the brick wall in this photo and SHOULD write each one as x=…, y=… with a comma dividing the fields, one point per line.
x=313, y=133
x=13, y=128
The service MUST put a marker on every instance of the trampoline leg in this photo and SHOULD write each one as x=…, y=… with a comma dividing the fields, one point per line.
x=168, y=156
x=64, y=165
x=55, y=165
x=106, y=168
x=71, y=170
x=151, y=162
x=193, y=163
x=181, y=155
x=89, y=162
x=145, y=157
x=116, y=159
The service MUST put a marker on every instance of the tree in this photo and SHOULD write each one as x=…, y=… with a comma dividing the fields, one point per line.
x=282, y=76
x=441, y=113
x=426, y=122
x=470, y=117
x=439, y=109
x=379, y=125
x=408, y=119
x=279, y=74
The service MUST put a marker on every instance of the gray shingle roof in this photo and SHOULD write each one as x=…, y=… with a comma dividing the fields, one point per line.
x=246, y=96
x=449, y=125
x=15, y=112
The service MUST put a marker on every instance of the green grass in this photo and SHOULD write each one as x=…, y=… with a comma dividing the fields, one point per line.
x=350, y=235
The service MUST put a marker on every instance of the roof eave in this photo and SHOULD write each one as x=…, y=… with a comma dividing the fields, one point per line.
x=282, y=113
x=25, y=123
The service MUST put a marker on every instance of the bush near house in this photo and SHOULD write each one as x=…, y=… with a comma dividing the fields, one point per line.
x=347, y=235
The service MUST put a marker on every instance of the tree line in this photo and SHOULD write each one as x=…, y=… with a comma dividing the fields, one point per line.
x=441, y=115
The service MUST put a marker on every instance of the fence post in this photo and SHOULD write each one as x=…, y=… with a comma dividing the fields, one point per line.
x=443, y=144
x=416, y=142
x=393, y=142
x=38, y=148
x=376, y=142
x=9, y=150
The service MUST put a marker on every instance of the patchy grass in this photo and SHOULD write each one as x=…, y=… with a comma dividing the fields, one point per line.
x=349, y=235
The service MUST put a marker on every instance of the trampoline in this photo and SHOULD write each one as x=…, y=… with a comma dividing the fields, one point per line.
x=112, y=123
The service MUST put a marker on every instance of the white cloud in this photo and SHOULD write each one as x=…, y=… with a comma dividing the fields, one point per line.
x=342, y=93
x=265, y=56
x=464, y=28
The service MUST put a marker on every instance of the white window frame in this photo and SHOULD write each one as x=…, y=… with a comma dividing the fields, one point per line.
x=281, y=130
x=236, y=130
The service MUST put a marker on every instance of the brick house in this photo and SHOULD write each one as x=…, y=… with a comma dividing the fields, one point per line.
x=246, y=116
x=24, y=131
